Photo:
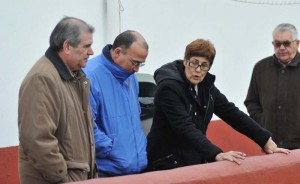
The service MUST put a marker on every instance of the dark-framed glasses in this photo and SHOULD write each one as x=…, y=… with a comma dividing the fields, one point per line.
x=203, y=66
x=278, y=44
x=136, y=63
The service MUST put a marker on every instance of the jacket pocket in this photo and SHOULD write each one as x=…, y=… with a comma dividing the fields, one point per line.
x=77, y=171
x=167, y=162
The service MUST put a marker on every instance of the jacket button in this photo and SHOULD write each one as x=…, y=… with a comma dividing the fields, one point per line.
x=282, y=71
x=279, y=107
x=204, y=106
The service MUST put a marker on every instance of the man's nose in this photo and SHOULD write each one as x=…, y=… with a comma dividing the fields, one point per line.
x=90, y=51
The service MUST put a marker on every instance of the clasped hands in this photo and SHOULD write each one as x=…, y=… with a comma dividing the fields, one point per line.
x=237, y=156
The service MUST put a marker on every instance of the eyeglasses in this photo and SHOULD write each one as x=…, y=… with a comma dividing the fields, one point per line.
x=136, y=63
x=203, y=66
x=278, y=44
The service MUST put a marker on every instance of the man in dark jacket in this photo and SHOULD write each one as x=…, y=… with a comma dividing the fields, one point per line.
x=185, y=102
x=273, y=95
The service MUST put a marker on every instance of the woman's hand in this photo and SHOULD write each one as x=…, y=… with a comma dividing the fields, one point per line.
x=271, y=147
x=233, y=156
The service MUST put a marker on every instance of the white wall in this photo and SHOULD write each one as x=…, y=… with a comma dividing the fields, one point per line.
x=241, y=33
x=25, y=27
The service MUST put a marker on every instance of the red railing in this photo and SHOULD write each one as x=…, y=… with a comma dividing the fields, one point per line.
x=257, y=168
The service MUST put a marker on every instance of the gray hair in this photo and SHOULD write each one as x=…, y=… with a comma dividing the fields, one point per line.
x=70, y=29
x=284, y=27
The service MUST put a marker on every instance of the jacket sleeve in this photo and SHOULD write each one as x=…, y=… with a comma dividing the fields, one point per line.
x=238, y=120
x=103, y=143
x=252, y=101
x=172, y=105
x=39, y=105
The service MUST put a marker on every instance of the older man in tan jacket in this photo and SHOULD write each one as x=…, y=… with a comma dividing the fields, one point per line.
x=55, y=121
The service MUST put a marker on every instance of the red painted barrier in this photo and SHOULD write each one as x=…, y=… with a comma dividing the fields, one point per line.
x=9, y=165
x=267, y=169
x=228, y=139
x=218, y=132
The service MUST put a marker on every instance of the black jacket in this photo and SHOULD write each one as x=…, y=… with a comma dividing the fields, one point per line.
x=177, y=136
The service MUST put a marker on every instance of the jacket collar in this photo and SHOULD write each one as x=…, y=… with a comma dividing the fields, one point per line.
x=295, y=61
x=118, y=72
x=60, y=66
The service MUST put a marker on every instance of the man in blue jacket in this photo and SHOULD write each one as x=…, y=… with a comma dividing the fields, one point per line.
x=119, y=137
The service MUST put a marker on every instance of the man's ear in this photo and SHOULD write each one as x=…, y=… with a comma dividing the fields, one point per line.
x=297, y=42
x=116, y=53
x=66, y=47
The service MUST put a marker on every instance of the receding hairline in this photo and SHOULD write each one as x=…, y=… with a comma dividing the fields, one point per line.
x=140, y=40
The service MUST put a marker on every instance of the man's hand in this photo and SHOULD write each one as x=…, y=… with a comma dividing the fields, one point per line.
x=271, y=147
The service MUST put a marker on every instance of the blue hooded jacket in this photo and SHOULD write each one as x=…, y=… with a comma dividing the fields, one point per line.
x=119, y=137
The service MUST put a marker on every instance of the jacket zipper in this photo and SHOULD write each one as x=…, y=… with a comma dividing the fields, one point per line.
x=209, y=98
x=83, y=83
x=163, y=158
